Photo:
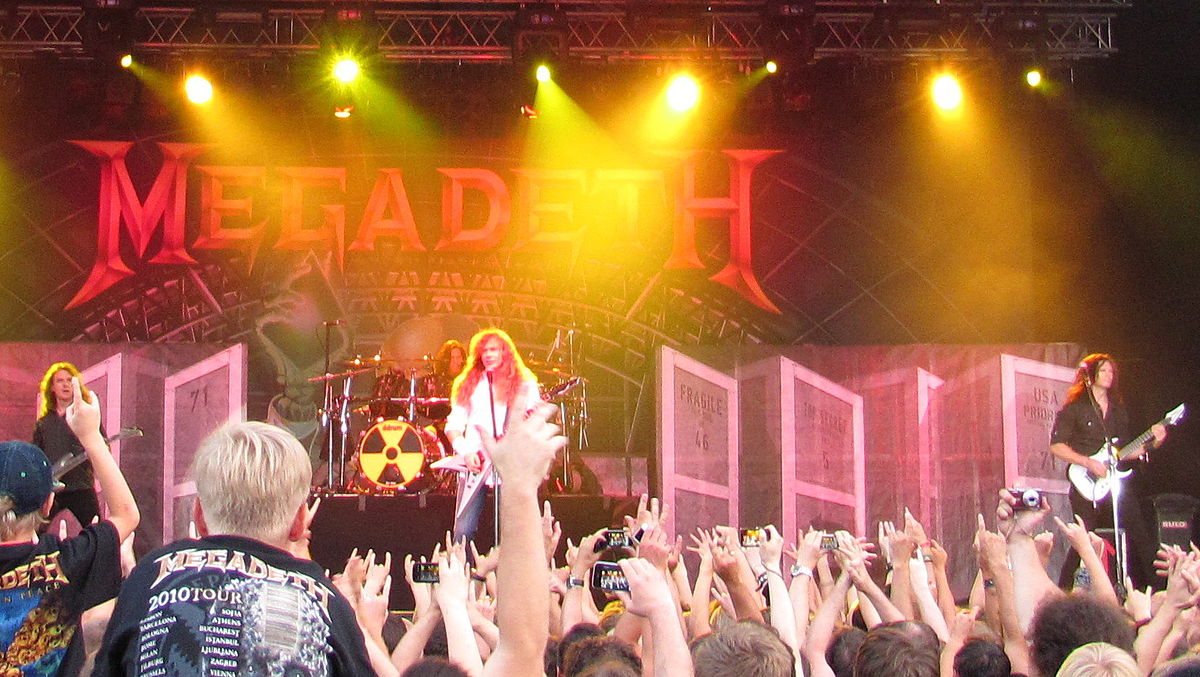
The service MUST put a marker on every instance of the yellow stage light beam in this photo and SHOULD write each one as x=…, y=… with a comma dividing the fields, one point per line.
x=947, y=93
x=198, y=89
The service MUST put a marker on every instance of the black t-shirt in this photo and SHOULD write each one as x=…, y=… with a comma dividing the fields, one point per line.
x=226, y=606
x=1078, y=425
x=44, y=587
x=56, y=439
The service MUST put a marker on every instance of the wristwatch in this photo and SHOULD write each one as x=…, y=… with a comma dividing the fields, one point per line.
x=573, y=582
x=801, y=570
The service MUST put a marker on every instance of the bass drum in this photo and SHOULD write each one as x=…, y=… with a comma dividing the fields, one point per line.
x=394, y=457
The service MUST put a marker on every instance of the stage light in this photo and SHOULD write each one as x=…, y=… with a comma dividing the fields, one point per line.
x=345, y=70
x=1033, y=77
x=198, y=89
x=529, y=112
x=342, y=112
x=126, y=60
x=683, y=93
x=543, y=73
x=772, y=67
x=947, y=93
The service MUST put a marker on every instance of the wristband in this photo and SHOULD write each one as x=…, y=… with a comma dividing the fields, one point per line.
x=801, y=570
x=573, y=582
x=476, y=577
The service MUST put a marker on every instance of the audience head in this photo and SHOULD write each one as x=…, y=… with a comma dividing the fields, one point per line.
x=1099, y=659
x=742, y=649
x=842, y=650
x=251, y=481
x=902, y=649
x=434, y=667
x=1064, y=624
x=596, y=651
x=1188, y=666
x=981, y=658
x=25, y=487
x=578, y=632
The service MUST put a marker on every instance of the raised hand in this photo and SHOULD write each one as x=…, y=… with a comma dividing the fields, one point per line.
x=83, y=416
x=524, y=454
x=1011, y=521
x=649, y=592
x=551, y=531
x=771, y=548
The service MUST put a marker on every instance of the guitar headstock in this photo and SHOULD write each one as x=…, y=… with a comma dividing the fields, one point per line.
x=1174, y=415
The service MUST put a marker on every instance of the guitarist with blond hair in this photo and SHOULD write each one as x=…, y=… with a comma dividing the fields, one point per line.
x=1094, y=415
x=494, y=388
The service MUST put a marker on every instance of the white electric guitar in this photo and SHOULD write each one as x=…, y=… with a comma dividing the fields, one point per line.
x=473, y=481
x=1096, y=488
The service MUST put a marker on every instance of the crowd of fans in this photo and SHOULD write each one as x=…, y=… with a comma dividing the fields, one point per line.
x=244, y=598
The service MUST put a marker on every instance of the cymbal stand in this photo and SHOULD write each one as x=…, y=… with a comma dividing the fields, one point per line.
x=327, y=405
x=344, y=415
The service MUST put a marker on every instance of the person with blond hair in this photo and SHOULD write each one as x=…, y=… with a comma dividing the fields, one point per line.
x=46, y=582
x=1099, y=659
x=53, y=436
x=238, y=600
x=493, y=389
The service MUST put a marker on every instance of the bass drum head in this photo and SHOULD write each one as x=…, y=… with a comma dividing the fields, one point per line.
x=391, y=455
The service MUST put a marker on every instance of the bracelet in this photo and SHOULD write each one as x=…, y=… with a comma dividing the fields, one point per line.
x=573, y=582
x=801, y=570
x=477, y=578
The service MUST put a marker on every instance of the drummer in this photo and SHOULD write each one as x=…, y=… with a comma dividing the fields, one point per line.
x=447, y=364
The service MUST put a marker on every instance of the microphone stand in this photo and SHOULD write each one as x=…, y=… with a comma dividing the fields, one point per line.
x=495, y=478
x=1115, y=487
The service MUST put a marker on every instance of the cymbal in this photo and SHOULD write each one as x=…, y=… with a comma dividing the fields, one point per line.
x=389, y=361
x=554, y=367
x=333, y=377
x=422, y=401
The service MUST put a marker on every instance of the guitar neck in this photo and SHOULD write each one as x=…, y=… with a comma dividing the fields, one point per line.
x=1135, y=445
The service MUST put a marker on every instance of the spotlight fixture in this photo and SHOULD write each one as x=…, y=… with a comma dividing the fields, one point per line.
x=947, y=93
x=345, y=70
x=683, y=93
x=342, y=112
x=772, y=67
x=543, y=73
x=198, y=88
x=528, y=112
x=1033, y=77
x=126, y=60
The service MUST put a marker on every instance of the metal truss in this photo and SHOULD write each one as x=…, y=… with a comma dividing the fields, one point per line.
x=484, y=31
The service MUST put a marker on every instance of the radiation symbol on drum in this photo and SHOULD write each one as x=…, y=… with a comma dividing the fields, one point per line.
x=391, y=454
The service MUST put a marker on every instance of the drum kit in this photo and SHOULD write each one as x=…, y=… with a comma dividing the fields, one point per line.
x=386, y=443
x=383, y=443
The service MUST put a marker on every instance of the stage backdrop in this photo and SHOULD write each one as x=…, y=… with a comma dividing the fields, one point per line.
x=844, y=437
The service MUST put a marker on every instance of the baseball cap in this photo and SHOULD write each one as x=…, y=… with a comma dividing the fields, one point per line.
x=24, y=476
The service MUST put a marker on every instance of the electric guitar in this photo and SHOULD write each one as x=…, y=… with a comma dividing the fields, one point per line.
x=70, y=462
x=1096, y=488
x=473, y=481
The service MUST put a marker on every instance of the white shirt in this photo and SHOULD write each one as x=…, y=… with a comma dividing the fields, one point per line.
x=464, y=419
